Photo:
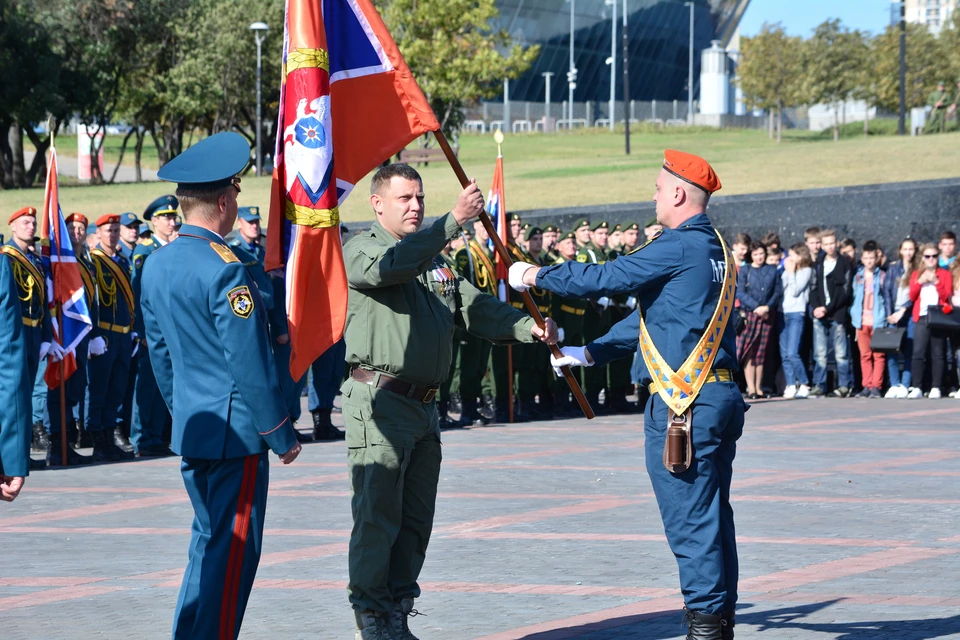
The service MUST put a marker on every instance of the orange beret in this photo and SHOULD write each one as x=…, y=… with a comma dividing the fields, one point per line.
x=26, y=211
x=108, y=218
x=77, y=217
x=692, y=169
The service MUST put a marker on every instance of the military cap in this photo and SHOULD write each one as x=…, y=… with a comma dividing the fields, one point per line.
x=651, y=222
x=26, y=211
x=616, y=228
x=514, y=216
x=162, y=206
x=532, y=231
x=77, y=217
x=250, y=214
x=692, y=169
x=211, y=164
x=108, y=218
x=600, y=225
x=127, y=219
x=582, y=222
x=550, y=228
x=144, y=229
x=632, y=226
x=569, y=235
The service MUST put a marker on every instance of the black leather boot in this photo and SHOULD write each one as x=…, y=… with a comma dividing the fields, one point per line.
x=727, y=622
x=702, y=626
x=456, y=405
x=40, y=440
x=55, y=454
x=121, y=441
x=471, y=416
x=488, y=409
x=446, y=422
x=323, y=429
x=104, y=450
x=302, y=437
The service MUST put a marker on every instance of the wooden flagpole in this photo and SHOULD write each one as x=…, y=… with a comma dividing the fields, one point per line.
x=505, y=256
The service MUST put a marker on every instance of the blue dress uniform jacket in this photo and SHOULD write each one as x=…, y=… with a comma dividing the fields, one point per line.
x=677, y=279
x=210, y=352
x=33, y=302
x=15, y=381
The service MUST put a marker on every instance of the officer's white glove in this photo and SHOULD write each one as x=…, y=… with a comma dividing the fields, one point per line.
x=632, y=302
x=515, y=276
x=604, y=302
x=44, y=349
x=572, y=357
x=56, y=352
x=97, y=347
x=136, y=344
x=560, y=334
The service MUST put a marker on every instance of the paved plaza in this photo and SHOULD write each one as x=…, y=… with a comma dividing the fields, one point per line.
x=848, y=515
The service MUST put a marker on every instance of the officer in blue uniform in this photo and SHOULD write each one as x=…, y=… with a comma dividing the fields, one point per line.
x=15, y=385
x=129, y=237
x=152, y=413
x=251, y=253
x=207, y=335
x=108, y=368
x=681, y=281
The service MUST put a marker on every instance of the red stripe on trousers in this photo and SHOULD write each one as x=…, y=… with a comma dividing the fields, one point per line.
x=241, y=524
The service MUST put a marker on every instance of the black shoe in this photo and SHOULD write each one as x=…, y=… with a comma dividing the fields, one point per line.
x=302, y=437
x=323, y=429
x=446, y=422
x=456, y=405
x=74, y=459
x=158, y=451
x=864, y=393
x=104, y=449
x=727, y=622
x=488, y=408
x=37, y=465
x=121, y=441
x=40, y=440
x=83, y=439
x=702, y=626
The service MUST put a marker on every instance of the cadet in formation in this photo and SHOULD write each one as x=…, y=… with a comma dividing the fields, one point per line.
x=684, y=281
x=211, y=355
x=404, y=304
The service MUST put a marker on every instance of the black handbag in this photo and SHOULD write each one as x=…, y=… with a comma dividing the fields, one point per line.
x=888, y=339
x=937, y=319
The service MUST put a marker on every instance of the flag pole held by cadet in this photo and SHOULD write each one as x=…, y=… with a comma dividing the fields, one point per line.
x=498, y=192
x=505, y=256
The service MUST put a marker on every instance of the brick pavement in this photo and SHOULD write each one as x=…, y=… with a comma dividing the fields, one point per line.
x=847, y=514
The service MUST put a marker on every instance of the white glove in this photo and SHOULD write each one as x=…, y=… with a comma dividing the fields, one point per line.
x=515, y=276
x=572, y=357
x=560, y=334
x=136, y=344
x=44, y=349
x=97, y=347
x=632, y=302
x=604, y=302
x=56, y=352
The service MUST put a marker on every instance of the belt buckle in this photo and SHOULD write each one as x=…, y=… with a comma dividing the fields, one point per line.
x=430, y=395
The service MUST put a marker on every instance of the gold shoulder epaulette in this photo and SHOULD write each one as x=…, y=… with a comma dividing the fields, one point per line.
x=224, y=252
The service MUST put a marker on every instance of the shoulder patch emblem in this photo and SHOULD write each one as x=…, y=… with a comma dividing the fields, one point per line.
x=224, y=252
x=581, y=257
x=241, y=302
x=138, y=261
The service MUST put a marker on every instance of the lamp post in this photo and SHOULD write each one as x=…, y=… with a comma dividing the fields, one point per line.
x=902, y=121
x=690, y=69
x=612, y=60
x=546, y=102
x=626, y=84
x=259, y=33
x=572, y=73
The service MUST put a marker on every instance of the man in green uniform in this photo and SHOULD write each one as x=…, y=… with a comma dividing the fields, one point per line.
x=532, y=361
x=938, y=99
x=569, y=313
x=582, y=234
x=443, y=395
x=551, y=233
x=619, y=382
x=596, y=319
x=404, y=304
x=630, y=238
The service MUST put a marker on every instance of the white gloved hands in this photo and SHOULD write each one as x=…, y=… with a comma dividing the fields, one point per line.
x=515, y=275
x=572, y=357
x=560, y=334
x=604, y=302
x=56, y=352
x=44, y=349
x=632, y=302
x=97, y=347
x=136, y=344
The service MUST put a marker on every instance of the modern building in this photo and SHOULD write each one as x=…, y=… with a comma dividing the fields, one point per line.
x=658, y=33
x=933, y=13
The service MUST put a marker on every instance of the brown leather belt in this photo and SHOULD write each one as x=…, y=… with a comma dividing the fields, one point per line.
x=382, y=380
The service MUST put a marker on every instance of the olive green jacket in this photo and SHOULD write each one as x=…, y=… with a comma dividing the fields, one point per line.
x=403, y=310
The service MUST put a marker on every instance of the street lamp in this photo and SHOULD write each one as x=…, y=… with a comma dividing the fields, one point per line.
x=690, y=69
x=612, y=60
x=546, y=106
x=572, y=73
x=259, y=33
x=626, y=82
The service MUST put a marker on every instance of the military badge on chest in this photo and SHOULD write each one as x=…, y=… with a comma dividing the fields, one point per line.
x=446, y=280
x=241, y=302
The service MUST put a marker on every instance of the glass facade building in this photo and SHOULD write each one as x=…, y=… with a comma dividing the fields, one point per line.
x=658, y=40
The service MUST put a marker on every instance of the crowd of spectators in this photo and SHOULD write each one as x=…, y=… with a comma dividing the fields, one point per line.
x=827, y=318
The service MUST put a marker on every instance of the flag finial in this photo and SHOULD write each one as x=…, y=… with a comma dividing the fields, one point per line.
x=498, y=138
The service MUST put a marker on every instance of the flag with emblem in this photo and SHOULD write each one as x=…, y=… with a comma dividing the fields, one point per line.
x=497, y=210
x=65, y=288
x=347, y=103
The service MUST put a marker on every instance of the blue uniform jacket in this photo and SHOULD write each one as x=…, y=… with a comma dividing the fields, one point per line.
x=676, y=279
x=113, y=305
x=16, y=412
x=33, y=304
x=207, y=332
x=252, y=259
x=141, y=252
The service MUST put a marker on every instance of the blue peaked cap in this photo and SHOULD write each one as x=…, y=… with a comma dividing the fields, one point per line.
x=210, y=164
x=163, y=205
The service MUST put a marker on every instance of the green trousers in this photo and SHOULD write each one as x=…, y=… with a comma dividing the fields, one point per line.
x=393, y=457
x=474, y=361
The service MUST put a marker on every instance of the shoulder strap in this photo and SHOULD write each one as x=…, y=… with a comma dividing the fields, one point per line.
x=678, y=389
x=119, y=276
x=27, y=263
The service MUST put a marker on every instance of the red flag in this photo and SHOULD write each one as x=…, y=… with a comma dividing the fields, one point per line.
x=347, y=103
x=497, y=210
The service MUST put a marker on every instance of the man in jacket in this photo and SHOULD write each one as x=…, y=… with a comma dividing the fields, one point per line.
x=830, y=297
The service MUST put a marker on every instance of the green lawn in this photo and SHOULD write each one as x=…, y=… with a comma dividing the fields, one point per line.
x=590, y=167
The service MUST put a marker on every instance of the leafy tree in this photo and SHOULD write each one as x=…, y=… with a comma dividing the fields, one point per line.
x=927, y=63
x=770, y=72
x=832, y=66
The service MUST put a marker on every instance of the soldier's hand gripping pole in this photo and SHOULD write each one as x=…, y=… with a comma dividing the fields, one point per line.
x=505, y=256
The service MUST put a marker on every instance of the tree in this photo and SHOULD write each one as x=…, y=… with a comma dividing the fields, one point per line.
x=832, y=66
x=927, y=64
x=770, y=71
x=455, y=55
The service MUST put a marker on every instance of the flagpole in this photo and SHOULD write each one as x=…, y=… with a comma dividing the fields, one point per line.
x=505, y=256
x=63, y=361
x=504, y=231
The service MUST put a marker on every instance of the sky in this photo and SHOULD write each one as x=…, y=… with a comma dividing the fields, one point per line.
x=800, y=17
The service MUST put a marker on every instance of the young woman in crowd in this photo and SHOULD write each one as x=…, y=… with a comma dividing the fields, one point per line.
x=930, y=286
x=758, y=292
x=899, y=306
x=868, y=313
x=795, y=282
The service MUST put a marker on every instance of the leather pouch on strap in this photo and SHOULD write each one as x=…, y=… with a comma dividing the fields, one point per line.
x=678, y=447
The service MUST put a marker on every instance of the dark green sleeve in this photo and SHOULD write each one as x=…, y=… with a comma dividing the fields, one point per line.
x=370, y=264
x=486, y=317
